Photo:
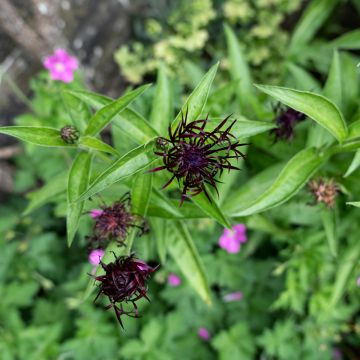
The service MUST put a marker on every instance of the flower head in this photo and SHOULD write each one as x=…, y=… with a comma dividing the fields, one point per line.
x=195, y=156
x=358, y=281
x=235, y=296
x=174, y=280
x=204, y=334
x=324, y=190
x=113, y=222
x=231, y=239
x=96, y=256
x=286, y=119
x=61, y=65
x=69, y=134
x=124, y=281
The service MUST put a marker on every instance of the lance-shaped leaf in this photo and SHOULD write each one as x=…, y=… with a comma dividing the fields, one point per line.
x=196, y=101
x=317, y=107
x=355, y=164
x=211, y=208
x=350, y=40
x=292, y=178
x=243, y=128
x=239, y=69
x=183, y=250
x=314, y=16
x=245, y=195
x=162, y=111
x=128, y=120
x=48, y=192
x=77, y=183
x=42, y=136
x=354, y=203
x=140, y=193
x=159, y=227
x=329, y=222
x=131, y=163
x=346, y=267
x=104, y=116
x=89, y=142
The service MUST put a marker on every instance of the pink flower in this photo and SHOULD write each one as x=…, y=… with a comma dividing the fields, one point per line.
x=358, y=281
x=235, y=296
x=204, y=334
x=61, y=65
x=336, y=354
x=95, y=213
x=174, y=280
x=231, y=240
x=95, y=256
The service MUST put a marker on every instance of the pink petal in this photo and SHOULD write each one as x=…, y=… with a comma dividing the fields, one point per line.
x=235, y=296
x=174, y=280
x=204, y=334
x=95, y=256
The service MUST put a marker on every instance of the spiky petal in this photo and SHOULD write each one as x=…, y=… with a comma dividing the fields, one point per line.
x=196, y=156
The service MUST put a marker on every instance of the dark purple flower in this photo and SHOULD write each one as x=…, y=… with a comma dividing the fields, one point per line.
x=113, y=223
x=195, y=156
x=286, y=119
x=124, y=281
x=69, y=134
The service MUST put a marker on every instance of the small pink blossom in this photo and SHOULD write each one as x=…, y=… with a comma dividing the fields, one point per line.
x=61, y=65
x=204, y=334
x=95, y=213
x=95, y=256
x=358, y=281
x=231, y=240
x=235, y=296
x=174, y=280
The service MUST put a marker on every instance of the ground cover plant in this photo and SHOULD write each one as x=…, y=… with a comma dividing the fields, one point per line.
x=217, y=220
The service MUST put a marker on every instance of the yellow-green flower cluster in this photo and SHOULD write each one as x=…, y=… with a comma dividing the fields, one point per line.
x=184, y=32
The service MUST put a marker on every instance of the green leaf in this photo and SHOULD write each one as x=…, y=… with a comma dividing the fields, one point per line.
x=49, y=191
x=135, y=126
x=329, y=222
x=292, y=178
x=196, y=101
x=350, y=40
x=317, y=107
x=129, y=164
x=162, y=112
x=104, y=116
x=159, y=227
x=129, y=121
x=347, y=264
x=333, y=86
x=239, y=69
x=244, y=128
x=318, y=136
x=183, y=250
x=355, y=164
x=89, y=142
x=303, y=79
x=77, y=183
x=354, y=131
x=164, y=203
x=211, y=208
x=354, y=203
x=314, y=16
x=140, y=193
x=42, y=136
x=245, y=195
